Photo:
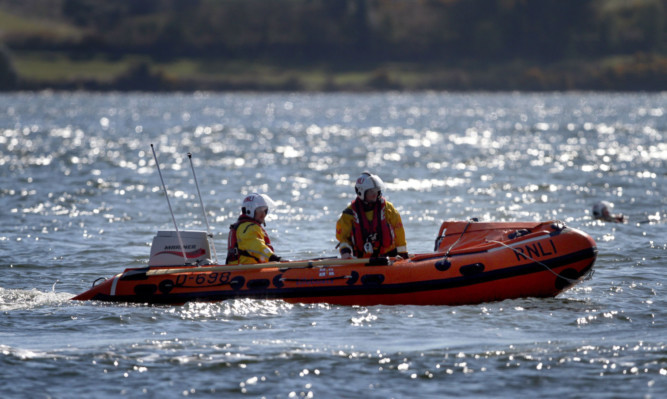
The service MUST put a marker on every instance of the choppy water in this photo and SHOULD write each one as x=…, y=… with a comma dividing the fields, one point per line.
x=80, y=198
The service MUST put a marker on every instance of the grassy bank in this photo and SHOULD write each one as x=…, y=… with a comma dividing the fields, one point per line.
x=57, y=70
x=319, y=45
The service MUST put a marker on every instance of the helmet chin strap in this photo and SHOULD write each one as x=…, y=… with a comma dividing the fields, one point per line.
x=368, y=205
x=376, y=198
x=246, y=212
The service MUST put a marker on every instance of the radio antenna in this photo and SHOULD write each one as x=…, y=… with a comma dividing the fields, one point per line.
x=180, y=241
x=208, y=228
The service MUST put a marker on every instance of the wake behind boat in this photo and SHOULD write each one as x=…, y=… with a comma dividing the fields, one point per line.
x=472, y=263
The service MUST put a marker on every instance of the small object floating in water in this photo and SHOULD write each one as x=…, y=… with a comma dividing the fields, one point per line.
x=473, y=262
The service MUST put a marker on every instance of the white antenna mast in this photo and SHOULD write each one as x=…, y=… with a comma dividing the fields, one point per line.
x=208, y=228
x=180, y=241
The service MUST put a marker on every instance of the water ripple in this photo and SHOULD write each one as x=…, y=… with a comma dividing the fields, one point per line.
x=81, y=199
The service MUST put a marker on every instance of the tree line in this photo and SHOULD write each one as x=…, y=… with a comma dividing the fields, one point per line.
x=462, y=33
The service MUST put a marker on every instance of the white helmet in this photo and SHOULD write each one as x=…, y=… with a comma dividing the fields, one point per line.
x=254, y=201
x=602, y=209
x=367, y=182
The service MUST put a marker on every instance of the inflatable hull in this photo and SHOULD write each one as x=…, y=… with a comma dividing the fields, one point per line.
x=473, y=263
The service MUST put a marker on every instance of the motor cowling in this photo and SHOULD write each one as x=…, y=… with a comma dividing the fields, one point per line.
x=166, y=248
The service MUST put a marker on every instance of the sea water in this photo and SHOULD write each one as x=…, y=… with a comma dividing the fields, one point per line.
x=81, y=198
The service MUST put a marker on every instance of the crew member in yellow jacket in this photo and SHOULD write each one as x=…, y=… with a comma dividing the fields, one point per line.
x=370, y=226
x=248, y=242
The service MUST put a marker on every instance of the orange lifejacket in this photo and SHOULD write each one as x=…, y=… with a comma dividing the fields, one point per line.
x=371, y=238
x=233, y=251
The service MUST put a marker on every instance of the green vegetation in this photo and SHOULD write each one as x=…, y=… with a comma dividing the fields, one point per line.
x=334, y=44
x=14, y=25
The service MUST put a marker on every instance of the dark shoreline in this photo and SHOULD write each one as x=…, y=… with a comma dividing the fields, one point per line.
x=529, y=80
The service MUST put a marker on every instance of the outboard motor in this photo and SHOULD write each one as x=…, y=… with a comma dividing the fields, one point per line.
x=166, y=249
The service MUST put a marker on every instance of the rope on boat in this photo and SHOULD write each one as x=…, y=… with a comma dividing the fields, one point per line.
x=461, y=236
x=316, y=279
x=588, y=276
x=98, y=279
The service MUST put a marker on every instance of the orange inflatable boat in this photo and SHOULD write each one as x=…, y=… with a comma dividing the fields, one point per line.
x=472, y=263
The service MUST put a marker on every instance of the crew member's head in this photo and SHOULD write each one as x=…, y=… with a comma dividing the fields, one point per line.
x=369, y=187
x=256, y=206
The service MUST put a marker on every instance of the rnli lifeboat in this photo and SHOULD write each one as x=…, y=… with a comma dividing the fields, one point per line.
x=472, y=262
